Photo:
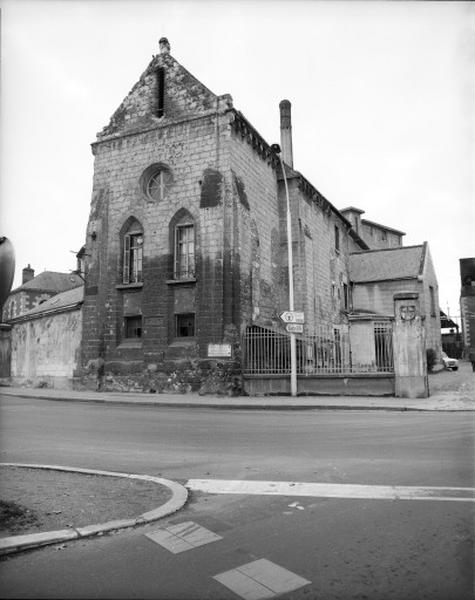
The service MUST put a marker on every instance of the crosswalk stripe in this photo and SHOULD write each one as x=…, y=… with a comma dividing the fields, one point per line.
x=332, y=490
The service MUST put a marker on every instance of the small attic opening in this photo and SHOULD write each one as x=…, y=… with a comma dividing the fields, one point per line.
x=161, y=91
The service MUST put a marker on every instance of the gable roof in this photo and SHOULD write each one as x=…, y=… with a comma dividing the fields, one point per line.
x=51, y=281
x=389, y=263
x=184, y=96
x=59, y=303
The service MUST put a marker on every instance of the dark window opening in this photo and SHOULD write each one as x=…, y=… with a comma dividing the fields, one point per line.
x=161, y=92
x=345, y=296
x=432, y=301
x=133, y=327
x=337, y=239
x=185, y=325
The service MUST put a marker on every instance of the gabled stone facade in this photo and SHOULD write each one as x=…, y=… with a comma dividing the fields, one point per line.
x=186, y=243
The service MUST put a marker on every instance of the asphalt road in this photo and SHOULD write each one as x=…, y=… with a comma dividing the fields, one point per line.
x=344, y=548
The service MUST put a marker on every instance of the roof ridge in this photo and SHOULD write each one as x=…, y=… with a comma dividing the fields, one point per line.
x=388, y=249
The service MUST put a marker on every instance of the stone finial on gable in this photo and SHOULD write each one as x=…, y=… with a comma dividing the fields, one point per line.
x=164, y=45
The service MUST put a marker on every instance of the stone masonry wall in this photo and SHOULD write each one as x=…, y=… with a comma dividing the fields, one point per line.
x=189, y=151
x=256, y=234
x=319, y=287
x=190, y=141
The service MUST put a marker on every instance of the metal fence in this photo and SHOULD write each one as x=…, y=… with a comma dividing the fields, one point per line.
x=267, y=351
x=383, y=346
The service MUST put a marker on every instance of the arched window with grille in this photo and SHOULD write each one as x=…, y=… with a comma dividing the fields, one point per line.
x=183, y=232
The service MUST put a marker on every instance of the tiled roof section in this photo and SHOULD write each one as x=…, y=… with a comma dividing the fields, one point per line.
x=382, y=265
x=58, y=303
x=51, y=281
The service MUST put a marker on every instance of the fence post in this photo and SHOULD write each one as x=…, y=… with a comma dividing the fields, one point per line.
x=410, y=363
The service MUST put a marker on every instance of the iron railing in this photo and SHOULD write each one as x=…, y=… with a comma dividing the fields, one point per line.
x=383, y=346
x=267, y=351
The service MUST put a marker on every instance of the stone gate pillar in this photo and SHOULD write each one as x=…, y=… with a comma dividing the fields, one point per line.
x=410, y=363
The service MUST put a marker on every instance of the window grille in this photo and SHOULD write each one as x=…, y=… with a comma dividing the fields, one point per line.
x=184, y=263
x=133, y=258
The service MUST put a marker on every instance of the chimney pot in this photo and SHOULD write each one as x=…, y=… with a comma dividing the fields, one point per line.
x=27, y=274
x=286, y=132
x=164, y=45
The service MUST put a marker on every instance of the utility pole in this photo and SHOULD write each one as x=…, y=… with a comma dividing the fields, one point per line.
x=293, y=345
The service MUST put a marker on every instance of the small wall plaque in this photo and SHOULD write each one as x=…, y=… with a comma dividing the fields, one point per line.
x=219, y=351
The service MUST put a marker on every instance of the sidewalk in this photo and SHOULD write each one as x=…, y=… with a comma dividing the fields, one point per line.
x=440, y=401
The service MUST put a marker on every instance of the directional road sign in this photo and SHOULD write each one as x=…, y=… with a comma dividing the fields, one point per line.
x=292, y=316
x=294, y=328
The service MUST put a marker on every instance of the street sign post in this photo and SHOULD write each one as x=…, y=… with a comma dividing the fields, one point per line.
x=292, y=316
x=294, y=327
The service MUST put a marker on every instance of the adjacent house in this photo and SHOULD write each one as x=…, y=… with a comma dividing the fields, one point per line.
x=35, y=290
x=376, y=236
x=45, y=341
x=377, y=275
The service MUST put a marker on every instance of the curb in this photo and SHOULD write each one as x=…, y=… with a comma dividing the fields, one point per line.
x=244, y=406
x=19, y=543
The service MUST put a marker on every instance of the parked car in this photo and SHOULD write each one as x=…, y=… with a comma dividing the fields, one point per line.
x=450, y=363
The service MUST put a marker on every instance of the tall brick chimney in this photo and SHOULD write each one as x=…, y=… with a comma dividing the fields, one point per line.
x=286, y=132
x=27, y=274
x=164, y=45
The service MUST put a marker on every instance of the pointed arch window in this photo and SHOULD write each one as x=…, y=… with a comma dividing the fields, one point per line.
x=184, y=255
x=133, y=253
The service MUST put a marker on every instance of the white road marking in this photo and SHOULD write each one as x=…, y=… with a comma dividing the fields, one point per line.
x=260, y=579
x=332, y=490
x=182, y=537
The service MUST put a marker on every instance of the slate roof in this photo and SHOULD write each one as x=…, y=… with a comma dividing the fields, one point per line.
x=51, y=281
x=58, y=303
x=386, y=264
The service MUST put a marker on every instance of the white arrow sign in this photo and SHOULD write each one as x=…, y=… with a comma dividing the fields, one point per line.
x=294, y=316
x=294, y=328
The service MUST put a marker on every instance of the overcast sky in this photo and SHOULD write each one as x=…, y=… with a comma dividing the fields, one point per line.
x=382, y=100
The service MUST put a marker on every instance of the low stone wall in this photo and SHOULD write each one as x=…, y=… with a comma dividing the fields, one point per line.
x=205, y=376
x=367, y=384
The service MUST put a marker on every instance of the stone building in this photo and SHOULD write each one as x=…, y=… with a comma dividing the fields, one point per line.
x=35, y=290
x=186, y=244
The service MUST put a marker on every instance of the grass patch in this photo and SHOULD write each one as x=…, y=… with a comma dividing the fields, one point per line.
x=14, y=516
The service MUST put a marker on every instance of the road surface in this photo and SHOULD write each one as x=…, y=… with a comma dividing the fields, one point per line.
x=319, y=547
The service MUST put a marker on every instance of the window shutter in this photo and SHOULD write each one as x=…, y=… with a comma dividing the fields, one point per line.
x=126, y=271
